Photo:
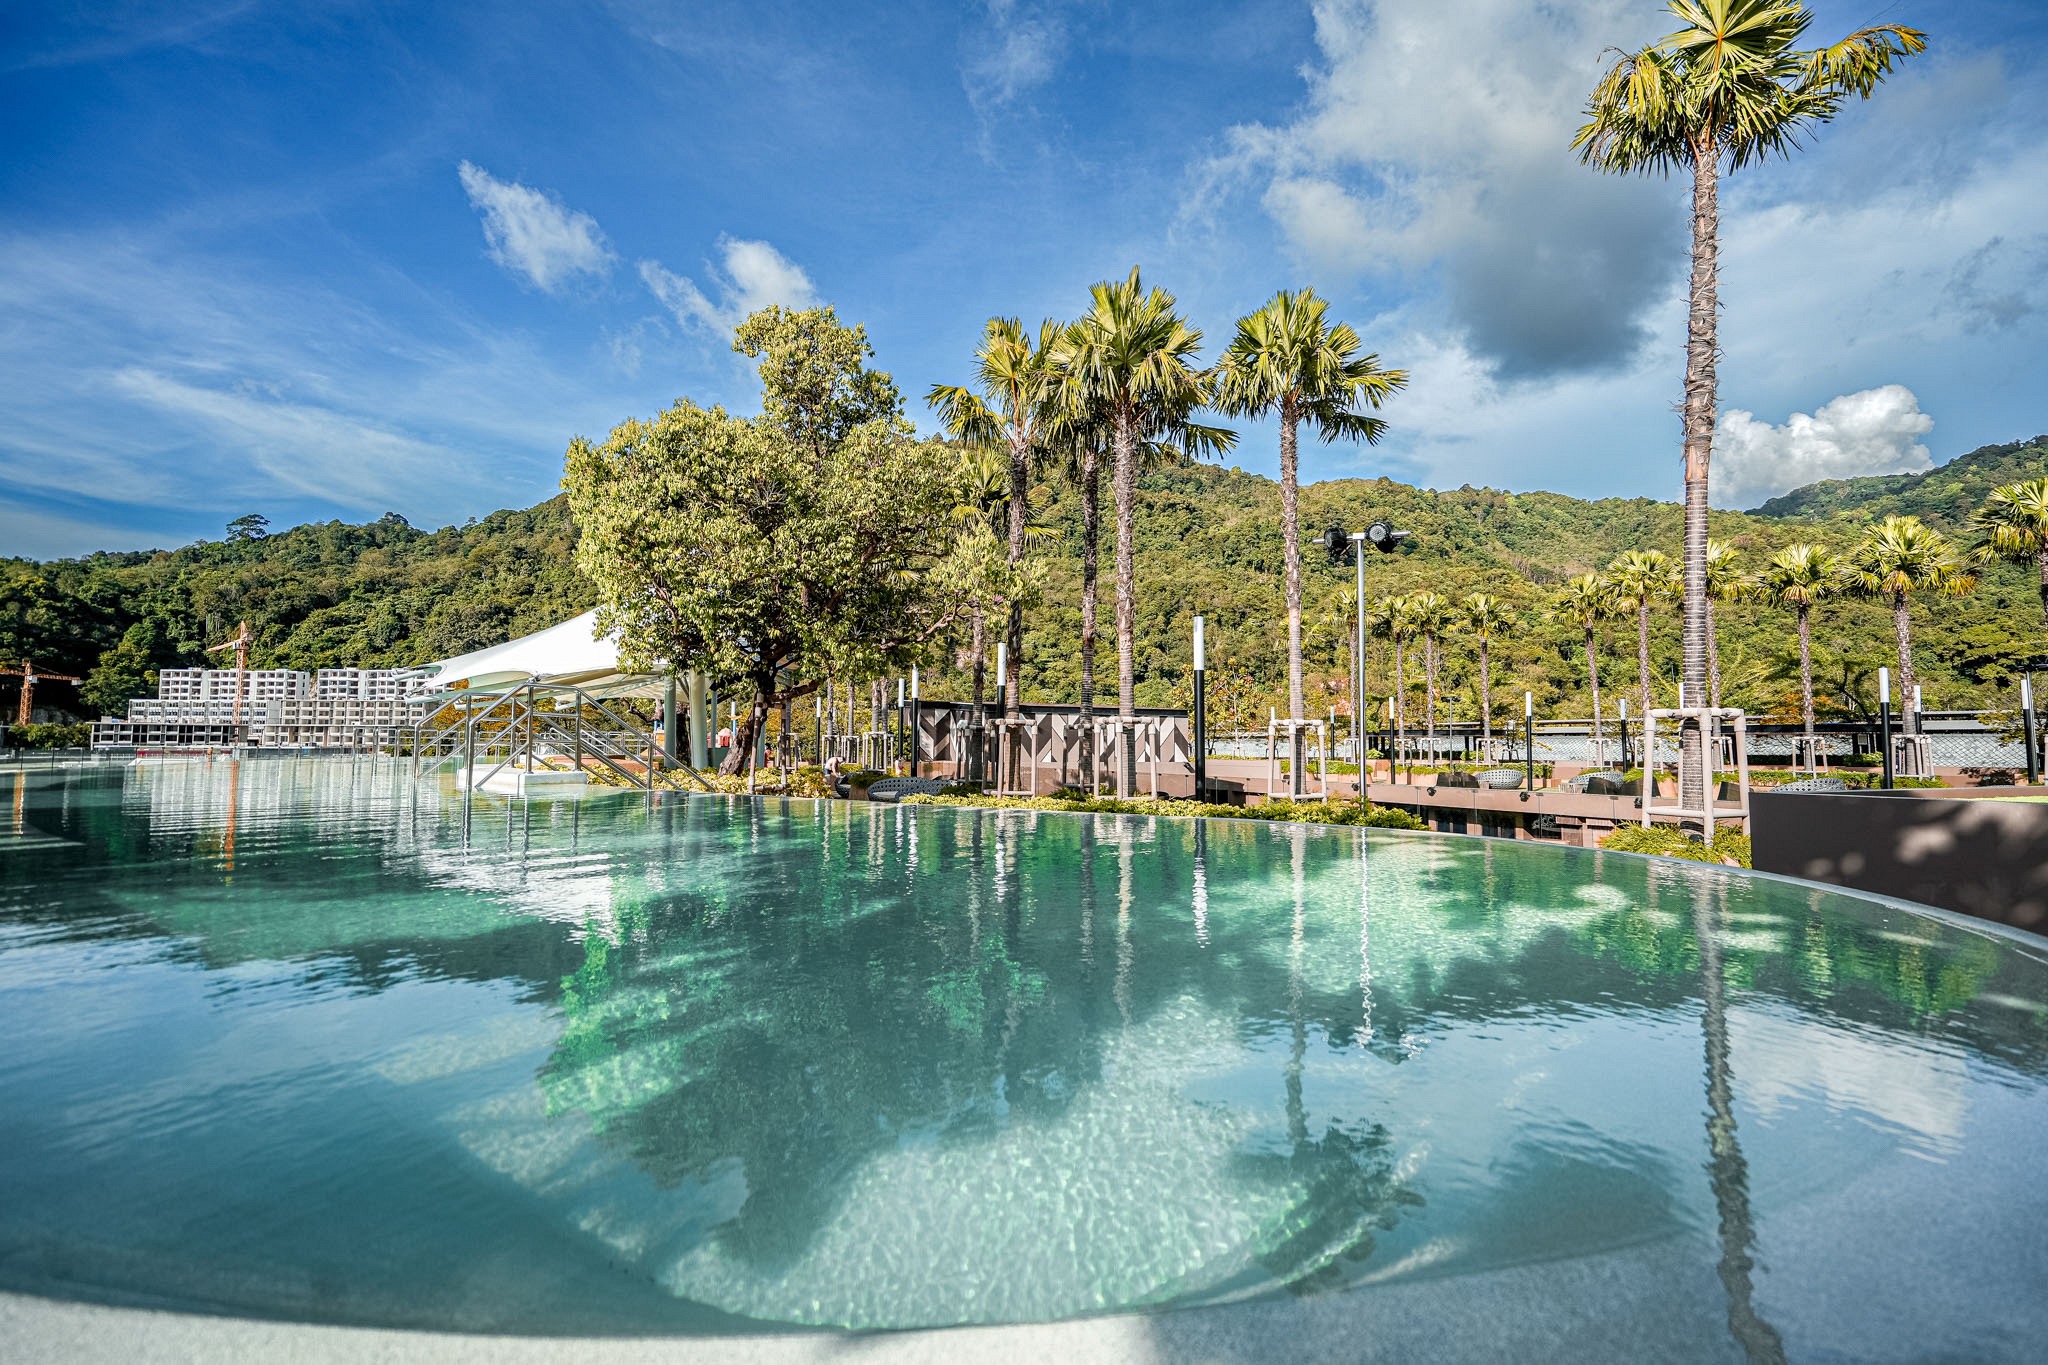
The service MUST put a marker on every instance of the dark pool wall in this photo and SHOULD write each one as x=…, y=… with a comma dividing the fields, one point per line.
x=1977, y=857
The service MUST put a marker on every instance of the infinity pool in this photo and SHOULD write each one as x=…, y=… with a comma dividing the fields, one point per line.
x=310, y=1040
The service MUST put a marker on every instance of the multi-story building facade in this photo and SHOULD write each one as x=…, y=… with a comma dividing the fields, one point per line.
x=278, y=708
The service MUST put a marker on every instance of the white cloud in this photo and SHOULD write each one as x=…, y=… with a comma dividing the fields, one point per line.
x=1436, y=141
x=1017, y=53
x=534, y=234
x=1876, y=431
x=751, y=276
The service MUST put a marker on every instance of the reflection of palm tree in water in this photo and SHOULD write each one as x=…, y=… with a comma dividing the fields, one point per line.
x=1202, y=882
x=1727, y=1170
x=1345, y=1178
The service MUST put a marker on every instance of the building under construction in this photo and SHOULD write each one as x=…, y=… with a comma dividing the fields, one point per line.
x=335, y=708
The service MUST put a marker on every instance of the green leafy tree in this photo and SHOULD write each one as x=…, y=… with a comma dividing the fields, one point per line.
x=1582, y=603
x=1897, y=559
x=1798, y=576
x=1018, y=398
x=1289, y=361
x=249, y=527
x=1486, y=618
x=1728, y=88
x=125, y=672
x=2013, y=525
x=1642, y=579
x=1132, y=358
x=819, y=538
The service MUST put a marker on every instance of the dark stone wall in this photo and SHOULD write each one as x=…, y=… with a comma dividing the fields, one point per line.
x=1979, y=857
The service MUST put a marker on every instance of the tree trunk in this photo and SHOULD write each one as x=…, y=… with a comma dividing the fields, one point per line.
x=1429, y=690
x=1902, y=627
x=1013, y=680
x=1486, y=697
x=1091, y=516
x=1806, y=676
x=1125, y=483
x=2042, y=559
x=1643, y=654
x=980, y=646
x=1593, y=681
x=1400, y=711
x=1702, y=321
x=1290, y=537
x=740, y=757
x=1713, y=658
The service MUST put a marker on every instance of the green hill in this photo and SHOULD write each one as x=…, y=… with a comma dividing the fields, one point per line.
x=385, y=593
x=1943, y=496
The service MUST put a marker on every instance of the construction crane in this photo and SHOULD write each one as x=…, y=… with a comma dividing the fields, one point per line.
x=238, y=642
x=29, y=677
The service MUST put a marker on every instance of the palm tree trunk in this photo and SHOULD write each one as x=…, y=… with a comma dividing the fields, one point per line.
x=1126, y=488
x=1290, y=537
x=1593, y=681
x=1091, y=517
x=2042, y=559
x=1702, y=319
x=1013, y=681
x=1400, y=711
x=1713, y=658
x=1485, y=696
x=1429, y=690
x=1643, y=654
x=980, y=647
x=1806, y=675
x=1902, y=627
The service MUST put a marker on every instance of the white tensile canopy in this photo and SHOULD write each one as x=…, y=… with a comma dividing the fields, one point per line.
x=568, y=655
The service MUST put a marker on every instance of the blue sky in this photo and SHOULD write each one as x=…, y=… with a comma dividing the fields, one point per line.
x=332, y=260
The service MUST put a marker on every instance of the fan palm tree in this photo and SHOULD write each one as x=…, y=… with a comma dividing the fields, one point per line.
x=1582, y=603
x=1725, y=583
x=2013, y=524
x=1393, y=620
x=1797, y=577
x=1288, y=360
x=1729, y=88
x=1019, y=396
x=1076, y=444
x=1431, y=617
x=1485, y=617
x=1642, y=579
x=1898, y=558
x=984, y=501
x=1132, y=357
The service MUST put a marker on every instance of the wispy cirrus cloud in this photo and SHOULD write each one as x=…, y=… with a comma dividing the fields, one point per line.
x=534, y=234
x=748, y=277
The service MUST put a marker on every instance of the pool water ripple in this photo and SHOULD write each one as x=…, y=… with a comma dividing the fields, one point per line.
x=673, y=1064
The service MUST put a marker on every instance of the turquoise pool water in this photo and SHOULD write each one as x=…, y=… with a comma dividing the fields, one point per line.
x=306, y=1039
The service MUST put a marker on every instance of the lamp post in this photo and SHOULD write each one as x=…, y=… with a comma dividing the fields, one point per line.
x=2028, y=728
x=1529, y=740
x=1884, y=722
x=1201, y=719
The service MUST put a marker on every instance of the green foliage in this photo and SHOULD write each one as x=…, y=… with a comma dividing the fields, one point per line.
x=1730, y=844
x=1946, y=497
x=51, y=735
x=1306, y=812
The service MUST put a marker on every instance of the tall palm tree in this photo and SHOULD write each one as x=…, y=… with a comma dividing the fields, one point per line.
x=2013, y=524
x=984, y=499
x=1582, y=603
x=1797, y=577
x=1393, y=620
x=1132, y=356
x=1076, y=444
x=1019, y=396
x=1485, y=617
x=1730, y=87
x=1431, y=616
x=1643, y=578
x=1288, y=360
x=1725, y=583
x=1898, y=558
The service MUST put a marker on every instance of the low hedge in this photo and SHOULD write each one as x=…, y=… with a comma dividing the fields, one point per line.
x=1306, y=812
x=1668, y=841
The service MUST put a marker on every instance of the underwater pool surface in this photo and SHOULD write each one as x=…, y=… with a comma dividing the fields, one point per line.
x=308, y=1039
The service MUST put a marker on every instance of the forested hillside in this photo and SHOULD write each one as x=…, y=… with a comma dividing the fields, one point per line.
x=385, y=593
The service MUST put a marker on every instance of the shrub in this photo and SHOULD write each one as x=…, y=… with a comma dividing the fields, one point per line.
x=1668, y=841
x=1307, y=812
x=50, y=735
